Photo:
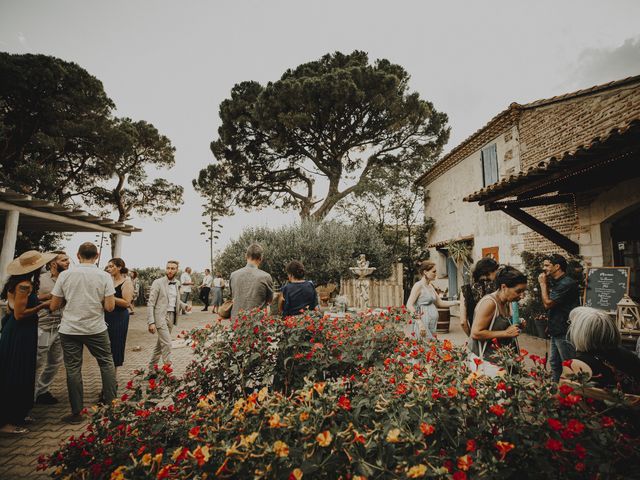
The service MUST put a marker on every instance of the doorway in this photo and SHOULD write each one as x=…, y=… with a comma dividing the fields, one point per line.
x=625, y=236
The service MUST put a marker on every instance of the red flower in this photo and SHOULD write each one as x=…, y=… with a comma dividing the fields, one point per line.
x=471, y=445
x=344, y=402
x=401, y=389
x=575, y=426
x=554, y=445
x=452, y=392
x=447, y=345
x=524, y=352
x=448, y=464
x=435, y=394
x=497, y=410
x=554, y=424
x=464, y=463
x=501, y=386
x=569, y=400
x=167, y=368
x=459, y=475
x=580, y=467
x=607, y=422
x=152, y=384
x=567, y=363
x=581, y=452
x=477, y=361
x=473, y=393
x=504, y=448
x=565, y=389
x=124, y=397
x=194, y=432
x=182, y=395
x=392, y=380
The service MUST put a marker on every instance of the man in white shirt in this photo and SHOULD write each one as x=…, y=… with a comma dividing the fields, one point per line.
x=88, y=293
x=163, y=310
x=49, y=356
x=205, y=289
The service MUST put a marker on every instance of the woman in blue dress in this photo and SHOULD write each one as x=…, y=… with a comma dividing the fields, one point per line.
x=425, y=302
x=19, y=340
x=118, y=319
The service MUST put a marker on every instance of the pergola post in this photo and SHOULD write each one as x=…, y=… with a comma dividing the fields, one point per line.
x=8, y=243
x=117, y=246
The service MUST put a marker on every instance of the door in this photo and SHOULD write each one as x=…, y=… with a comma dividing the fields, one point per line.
x=452, y=273
x=625, y=234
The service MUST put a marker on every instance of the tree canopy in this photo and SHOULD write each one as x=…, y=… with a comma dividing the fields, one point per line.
x=326, y=249
x=341, y=119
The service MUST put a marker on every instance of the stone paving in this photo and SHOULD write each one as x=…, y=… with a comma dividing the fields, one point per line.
x=18, y=454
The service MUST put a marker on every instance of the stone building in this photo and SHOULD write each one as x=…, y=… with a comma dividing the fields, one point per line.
x=555, y=175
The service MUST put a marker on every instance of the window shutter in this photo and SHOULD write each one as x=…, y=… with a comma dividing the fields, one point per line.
x=489, y=156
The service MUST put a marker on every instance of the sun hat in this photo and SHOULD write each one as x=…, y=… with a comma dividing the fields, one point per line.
x=29, y=261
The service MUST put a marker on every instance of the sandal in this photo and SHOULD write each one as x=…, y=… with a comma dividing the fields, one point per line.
x=16, y=431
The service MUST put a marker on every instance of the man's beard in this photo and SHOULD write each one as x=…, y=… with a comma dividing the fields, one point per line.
x=172, y=276
x=60, y=268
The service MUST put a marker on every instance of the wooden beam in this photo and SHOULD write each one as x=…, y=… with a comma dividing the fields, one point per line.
x=66, y=220
x=530, y=202
x=543, y=229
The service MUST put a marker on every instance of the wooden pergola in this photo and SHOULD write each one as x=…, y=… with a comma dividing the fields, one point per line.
x=19, y=212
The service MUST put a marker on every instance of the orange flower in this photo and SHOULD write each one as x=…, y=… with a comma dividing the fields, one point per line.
x=274, y=421
x=296, y=474
x=324, y=438
x=118, y=473
x=447, y=357
x=358, y=438
x=464, y=462
x=377, y=327
x=281, y=449
x=427, y=429
x=504, y=448
x=304, y=416
x=417, y=471
x=447, y=345
x=201, y=454
x=452, y=391
x=146, y=459
x=319, y=387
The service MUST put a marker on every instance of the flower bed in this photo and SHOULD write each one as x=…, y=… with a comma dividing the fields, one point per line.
x=344, y=398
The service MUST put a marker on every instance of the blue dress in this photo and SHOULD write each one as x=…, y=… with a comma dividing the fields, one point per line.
x=426, y=308
x=18, y=347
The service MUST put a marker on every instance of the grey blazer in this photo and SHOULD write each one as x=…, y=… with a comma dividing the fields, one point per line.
x=158, y=303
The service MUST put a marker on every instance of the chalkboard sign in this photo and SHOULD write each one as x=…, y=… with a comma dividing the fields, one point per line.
x=605, y=287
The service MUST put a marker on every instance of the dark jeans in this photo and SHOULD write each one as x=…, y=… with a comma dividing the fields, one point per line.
x=561, y=350
x=100, y=347
x=204, y=296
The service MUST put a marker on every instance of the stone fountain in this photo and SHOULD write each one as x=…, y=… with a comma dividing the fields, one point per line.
x=363, y=270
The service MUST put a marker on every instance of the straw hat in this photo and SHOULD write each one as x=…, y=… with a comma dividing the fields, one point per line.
x=29, y=261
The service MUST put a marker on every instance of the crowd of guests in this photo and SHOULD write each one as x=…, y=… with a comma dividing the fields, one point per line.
x=55, y=310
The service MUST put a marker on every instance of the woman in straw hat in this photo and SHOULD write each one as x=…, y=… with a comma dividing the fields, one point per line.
x=19, y=339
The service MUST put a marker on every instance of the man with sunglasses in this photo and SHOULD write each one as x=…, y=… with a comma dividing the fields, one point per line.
x=559, y=296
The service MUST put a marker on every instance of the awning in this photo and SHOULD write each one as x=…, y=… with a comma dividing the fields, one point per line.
x=444, y=243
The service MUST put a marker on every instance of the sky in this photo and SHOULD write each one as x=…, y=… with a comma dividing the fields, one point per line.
x=172, y=64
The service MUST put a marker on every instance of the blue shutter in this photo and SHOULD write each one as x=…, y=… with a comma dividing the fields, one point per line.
x=452, y=273
x=489, y=156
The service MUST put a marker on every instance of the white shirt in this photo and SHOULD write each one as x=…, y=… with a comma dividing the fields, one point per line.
x=185, y=278
x=218, y=282
x=84, y=287
x=172, y=294
x=206, y=281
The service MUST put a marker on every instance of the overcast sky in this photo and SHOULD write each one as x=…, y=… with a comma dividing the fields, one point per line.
x=172, y=63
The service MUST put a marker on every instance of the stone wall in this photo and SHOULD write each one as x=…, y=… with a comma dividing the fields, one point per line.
x=382, y=293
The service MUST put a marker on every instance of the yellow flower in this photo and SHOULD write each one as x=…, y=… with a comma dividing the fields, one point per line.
x=358, y=477
x=304, y=416
x=417, y=471
x=262, y=394
x=157, y=458
x=319, y=387
x=238, y=407
x=246, y=440
x=324, y=438
x=281, y=449
x=118, y=473
x=274, y=421
x=297, y=474
x=394, y=435
x=146, y=459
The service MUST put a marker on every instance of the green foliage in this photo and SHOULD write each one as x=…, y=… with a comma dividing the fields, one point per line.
x=326, y=249
x=356, y=400
x=335, y=119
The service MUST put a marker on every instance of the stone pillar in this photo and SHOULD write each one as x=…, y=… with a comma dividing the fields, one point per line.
x=117, y=246
x=8, y=243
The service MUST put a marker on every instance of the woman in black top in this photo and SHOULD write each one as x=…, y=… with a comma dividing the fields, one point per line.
x=118, y=319
x=19, y=340
x=483, y=283
x=299, y=294
x=598, y=344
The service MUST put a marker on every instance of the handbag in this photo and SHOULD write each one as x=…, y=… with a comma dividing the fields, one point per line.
x=224, y=310
x=478, y=364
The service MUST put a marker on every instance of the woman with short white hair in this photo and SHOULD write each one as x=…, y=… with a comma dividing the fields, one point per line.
x=598, y=344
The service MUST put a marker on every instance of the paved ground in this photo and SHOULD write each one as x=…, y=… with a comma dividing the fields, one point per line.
x=18, y=455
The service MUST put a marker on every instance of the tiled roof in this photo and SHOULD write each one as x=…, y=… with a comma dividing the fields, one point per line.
x=498, y=124
x=552, y=164
x=444, y=243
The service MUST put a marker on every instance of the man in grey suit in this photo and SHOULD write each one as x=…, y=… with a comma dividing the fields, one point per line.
x=163, y=308
x=251, y=287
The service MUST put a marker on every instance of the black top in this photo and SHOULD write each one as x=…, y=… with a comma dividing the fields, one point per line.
x=613, y=367
x=473, y=293
x=298, y=296
x=564, y=292
x=118, y=294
